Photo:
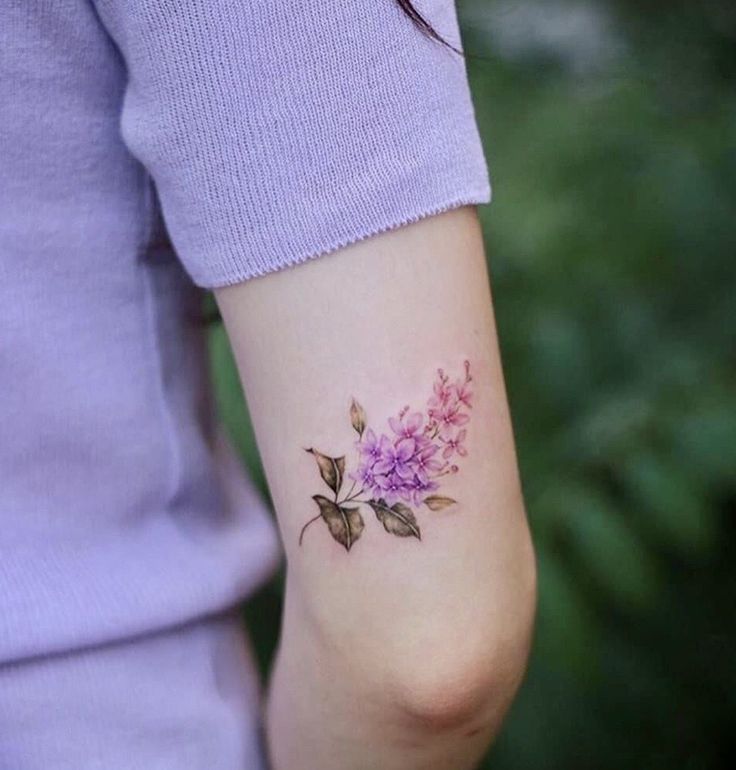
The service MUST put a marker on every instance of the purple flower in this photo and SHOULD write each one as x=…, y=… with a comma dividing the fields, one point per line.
x=392, y=487
x=425, y=463
x=407, y=426
x=396, y=458
x=370, y=452
x=364, y=475
x=407, y=463
x=421, y=487
x=369, y=448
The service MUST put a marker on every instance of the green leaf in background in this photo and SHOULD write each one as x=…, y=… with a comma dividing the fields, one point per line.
x=605, y=545
x=674, y=505
x=566, y=628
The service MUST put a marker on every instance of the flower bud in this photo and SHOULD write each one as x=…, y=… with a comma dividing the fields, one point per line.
x=357, y=417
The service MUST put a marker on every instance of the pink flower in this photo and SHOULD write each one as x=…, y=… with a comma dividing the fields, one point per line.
x=455, y=444
x=450, y=418
x=463, y=393
x=440, y=400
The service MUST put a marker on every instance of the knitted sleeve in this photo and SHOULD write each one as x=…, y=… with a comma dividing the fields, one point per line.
x=276, y=131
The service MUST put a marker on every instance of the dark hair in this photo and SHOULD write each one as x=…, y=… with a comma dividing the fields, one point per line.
x=408, y=8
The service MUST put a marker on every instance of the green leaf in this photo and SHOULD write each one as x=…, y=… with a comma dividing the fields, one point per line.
x=357, y=417
x=566, y=627
x=610, y=548
x=397, y=520
x=437, y=502
x=332, y=469
x=345, y=524
x=674, y=504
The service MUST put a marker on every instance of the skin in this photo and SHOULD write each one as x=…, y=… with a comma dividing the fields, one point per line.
x=402, y=654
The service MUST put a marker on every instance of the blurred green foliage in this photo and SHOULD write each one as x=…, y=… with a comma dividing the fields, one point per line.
x=610, y=132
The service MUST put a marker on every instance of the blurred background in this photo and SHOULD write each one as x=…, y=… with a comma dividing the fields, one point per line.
x=610, y=131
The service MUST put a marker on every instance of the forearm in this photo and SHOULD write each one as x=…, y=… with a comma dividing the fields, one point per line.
x=406, y=629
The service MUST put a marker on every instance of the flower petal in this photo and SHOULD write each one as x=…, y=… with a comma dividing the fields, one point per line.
x=414, y=422
x=383, y=466
x=405, y=448
x=427, y=451
x=396, y=425
x=404, y=470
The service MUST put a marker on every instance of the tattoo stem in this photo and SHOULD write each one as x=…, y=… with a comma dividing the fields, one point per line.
x=350, y=499
x=304, y=528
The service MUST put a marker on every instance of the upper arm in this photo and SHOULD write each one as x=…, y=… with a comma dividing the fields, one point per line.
x=372, y=324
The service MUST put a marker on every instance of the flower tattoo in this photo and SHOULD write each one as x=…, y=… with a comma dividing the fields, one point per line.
x=397, y=469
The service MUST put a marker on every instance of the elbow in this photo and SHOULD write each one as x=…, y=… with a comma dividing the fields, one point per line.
x=469, y=698
x=464, y=680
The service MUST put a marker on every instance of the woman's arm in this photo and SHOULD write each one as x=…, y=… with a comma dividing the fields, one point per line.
x=406, y=629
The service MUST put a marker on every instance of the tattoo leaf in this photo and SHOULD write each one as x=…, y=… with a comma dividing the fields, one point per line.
x=357, y=417
x=345, y=524
x=332, y=469
x=437, y=502
x=397, y=519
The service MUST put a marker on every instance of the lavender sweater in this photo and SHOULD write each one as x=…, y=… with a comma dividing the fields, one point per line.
x=148, y=148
